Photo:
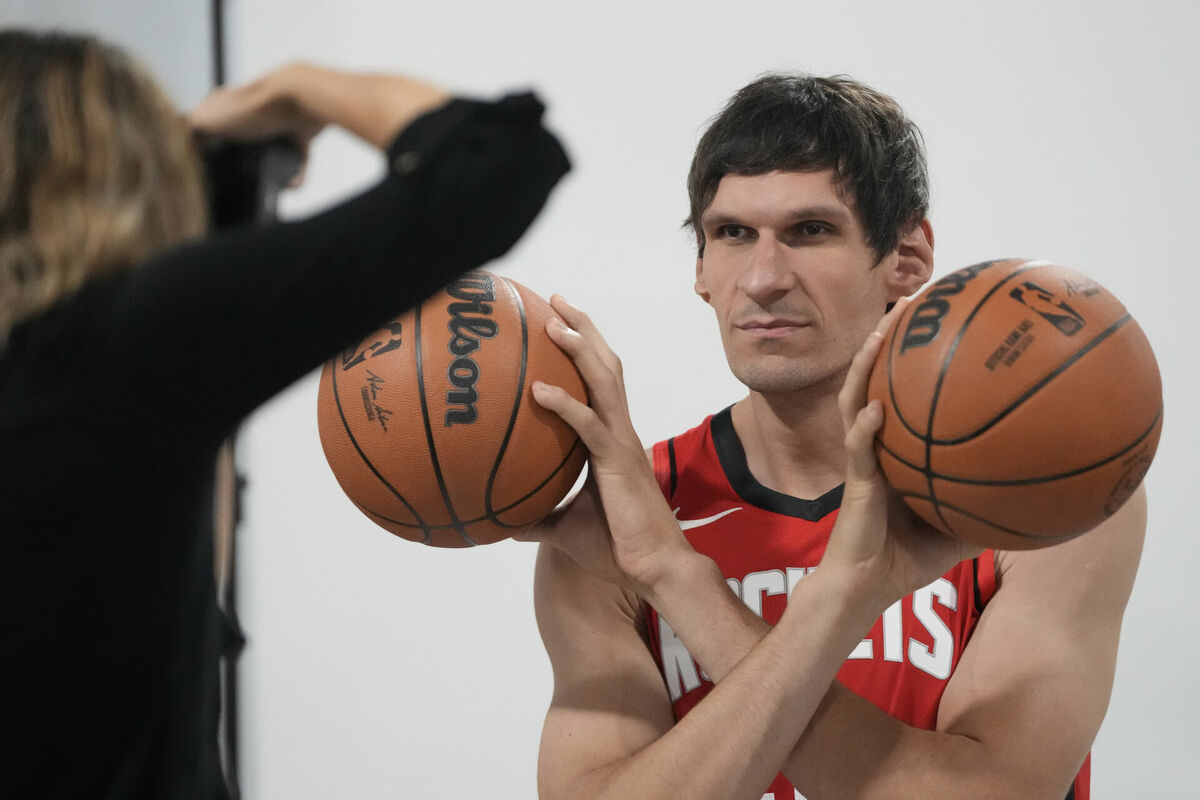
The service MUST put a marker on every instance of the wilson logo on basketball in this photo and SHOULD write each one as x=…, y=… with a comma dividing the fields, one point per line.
x=926, y=321
x=469, y=322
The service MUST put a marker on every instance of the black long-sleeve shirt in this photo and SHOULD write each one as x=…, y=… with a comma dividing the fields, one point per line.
x=112, y=407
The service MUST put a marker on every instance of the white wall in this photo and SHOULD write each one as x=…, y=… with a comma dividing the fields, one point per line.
x=379, y=668
x=174, y=40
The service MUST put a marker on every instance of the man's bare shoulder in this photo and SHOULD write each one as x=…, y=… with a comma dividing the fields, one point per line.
x=1090, y=574
x=564, y=590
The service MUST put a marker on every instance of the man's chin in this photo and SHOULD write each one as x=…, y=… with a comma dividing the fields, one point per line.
x=783, y=379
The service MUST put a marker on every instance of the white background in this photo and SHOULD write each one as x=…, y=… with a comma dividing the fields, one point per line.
x=174, y=39
x=378, y=668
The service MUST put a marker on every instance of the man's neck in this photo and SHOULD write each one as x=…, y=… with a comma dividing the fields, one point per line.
x=794, y=442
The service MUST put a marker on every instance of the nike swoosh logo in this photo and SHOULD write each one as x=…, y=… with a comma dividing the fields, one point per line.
x=688, y=524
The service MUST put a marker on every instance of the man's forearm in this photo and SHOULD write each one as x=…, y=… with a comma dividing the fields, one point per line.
x=889, y=759
x=771, y=680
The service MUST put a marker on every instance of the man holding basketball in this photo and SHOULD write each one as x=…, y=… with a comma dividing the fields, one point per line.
x=955, y=668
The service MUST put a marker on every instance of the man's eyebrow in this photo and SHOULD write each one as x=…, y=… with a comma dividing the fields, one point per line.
x=802, y=213
x=718, y=218
x=827, y=212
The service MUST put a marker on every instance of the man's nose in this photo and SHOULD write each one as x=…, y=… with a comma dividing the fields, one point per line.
x=768, y=271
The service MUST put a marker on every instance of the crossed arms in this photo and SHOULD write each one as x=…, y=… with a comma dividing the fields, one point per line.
x=1016, y=719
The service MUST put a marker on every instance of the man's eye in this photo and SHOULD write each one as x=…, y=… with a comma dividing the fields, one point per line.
x=731, y=232
x=813, y=228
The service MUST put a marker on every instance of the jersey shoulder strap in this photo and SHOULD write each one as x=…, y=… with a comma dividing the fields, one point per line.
x=670, y=456
x=664, y=466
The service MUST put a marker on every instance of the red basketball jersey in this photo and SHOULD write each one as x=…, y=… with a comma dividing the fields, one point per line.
x=764, y=542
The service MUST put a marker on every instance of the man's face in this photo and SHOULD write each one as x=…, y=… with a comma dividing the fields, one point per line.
x=787, y=269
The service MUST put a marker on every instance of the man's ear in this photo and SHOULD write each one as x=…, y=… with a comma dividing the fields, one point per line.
x=701, y=287
x=914, y=264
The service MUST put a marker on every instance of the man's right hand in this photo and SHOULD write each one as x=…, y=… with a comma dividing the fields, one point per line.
x=618, y=527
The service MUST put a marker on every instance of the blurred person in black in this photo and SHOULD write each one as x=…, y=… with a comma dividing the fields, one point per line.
x=132, y=342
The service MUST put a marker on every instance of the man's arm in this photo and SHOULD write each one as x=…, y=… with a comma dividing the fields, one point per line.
x=1022, y=708
x=609, y=732
x=1028, y=696
x=609, y=700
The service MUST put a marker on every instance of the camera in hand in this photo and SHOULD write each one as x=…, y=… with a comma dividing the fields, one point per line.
x=245, y=179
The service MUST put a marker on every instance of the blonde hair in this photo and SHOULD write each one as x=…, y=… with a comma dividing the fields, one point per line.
x=98, y=171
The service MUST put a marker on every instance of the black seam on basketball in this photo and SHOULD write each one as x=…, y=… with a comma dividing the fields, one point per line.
x=1028, y=481
x=947, y=358
x=500, y=523
x=566, y=459
x=986, y=521
x=489, y=511
x=337, y=400
x=1062, y=367
x=944, y=367
x=908, y=312
x=433, y=457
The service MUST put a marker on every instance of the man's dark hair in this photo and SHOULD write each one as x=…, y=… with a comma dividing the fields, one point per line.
x=805, y=123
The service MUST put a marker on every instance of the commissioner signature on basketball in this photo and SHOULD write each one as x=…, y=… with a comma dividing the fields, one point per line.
x=370, y=397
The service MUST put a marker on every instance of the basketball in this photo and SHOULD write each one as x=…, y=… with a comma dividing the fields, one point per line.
x=1022, y=404
x=430, y=426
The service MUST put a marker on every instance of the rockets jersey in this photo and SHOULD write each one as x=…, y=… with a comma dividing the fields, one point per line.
x=764, y=542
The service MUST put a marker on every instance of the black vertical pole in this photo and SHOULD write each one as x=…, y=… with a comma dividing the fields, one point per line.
x=230, y=486
x=218, y=42
x=245, y=181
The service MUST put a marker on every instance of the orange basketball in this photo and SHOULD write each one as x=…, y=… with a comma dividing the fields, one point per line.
x=1022, y=404
x=430, y=426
